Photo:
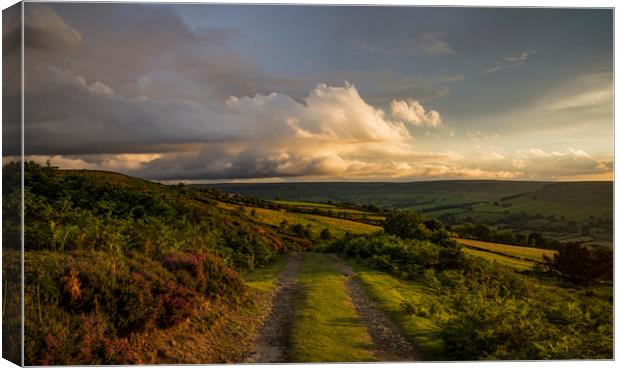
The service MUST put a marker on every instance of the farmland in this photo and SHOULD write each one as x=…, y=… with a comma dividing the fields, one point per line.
x=517, y=264
x=556, y=210
x=316, y=222
x=526, y=253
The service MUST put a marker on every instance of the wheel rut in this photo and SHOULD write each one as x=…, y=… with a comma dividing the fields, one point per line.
x=390, y=345
x=273, y=341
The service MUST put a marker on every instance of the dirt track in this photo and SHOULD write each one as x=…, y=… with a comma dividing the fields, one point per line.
x=390, y=345
x=273, y=338
x=273, y=341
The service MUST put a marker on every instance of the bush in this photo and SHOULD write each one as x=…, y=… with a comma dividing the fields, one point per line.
x=542, y=325
x=580, y=264
x=404, y=257
x=65, y=339
x=66, y=293
x=206, y=274
x=406, y=225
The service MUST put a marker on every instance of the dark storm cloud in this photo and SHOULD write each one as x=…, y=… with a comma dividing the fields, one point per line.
x=128, y=46
x=44, y=29
x=128, y=78
x=217, y=163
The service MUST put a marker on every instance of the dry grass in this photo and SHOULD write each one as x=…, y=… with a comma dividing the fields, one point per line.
x=535, y=254
x=336, y=226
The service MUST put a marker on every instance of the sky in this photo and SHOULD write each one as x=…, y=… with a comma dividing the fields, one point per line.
x=199, y=93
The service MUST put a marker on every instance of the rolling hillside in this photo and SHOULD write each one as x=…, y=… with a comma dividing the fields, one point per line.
x=560, y=210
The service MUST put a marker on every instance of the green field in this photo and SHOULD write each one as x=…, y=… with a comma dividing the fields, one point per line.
x=526, y=253
x=517, y=264
x=327, y=327
x=555, y=209
x=303, y=204
x=337, y=227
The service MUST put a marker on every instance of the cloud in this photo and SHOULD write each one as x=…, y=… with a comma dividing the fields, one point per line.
x=512, y=61
x=193, y=102
x=44, y=28
x=433, y=45
x=428, y=44
x=121, y=162
x=171, y=61
x=414, y=113
x=593, y=90
x=570, y=162
x=479, y=136
x=362, y=46
x=331, y=133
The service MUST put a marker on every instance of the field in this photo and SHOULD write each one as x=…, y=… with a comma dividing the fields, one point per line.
x=525, y=253
x=271, y=217
x=517, y=264
x=555, y=210
x=304, y=204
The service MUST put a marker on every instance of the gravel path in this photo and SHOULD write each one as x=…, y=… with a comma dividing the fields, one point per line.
x=274, y=335
x=390, y=345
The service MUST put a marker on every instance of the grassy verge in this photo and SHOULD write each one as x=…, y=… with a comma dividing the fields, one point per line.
x=326, y=327
x=389, y=293
x=263, y=279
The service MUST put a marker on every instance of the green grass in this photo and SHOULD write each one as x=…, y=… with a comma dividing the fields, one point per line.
x=264, y=278
x=389, y=292
x=535, y=254
x=304, y=204
x=337, y=227
x=326, y=327
x=518, y=264
x=578, y=212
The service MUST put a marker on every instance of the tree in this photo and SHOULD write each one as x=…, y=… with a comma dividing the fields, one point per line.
x=325, y=234
x=580, y=264
x=482, y=232
x=433, y=224
x=536, y=240
x=299, y=230
x=406, y=224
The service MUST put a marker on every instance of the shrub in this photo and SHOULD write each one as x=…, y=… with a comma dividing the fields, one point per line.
x=325, y=234
x=406, y=224
x=206, y=274
x=61, y=338
x=580, y=264
x=404, y=257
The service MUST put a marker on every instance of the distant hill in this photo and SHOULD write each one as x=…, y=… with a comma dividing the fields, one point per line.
x=558, y=209
x=395, y=195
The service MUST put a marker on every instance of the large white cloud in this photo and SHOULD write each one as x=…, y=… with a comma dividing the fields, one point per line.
x=413, y=112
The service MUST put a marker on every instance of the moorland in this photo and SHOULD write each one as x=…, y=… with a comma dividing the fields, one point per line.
x=120, y=270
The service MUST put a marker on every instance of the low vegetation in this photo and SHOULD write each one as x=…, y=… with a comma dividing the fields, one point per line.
x=479, y=309
x=113, y=263
x=581, y=264
x=108, y=257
